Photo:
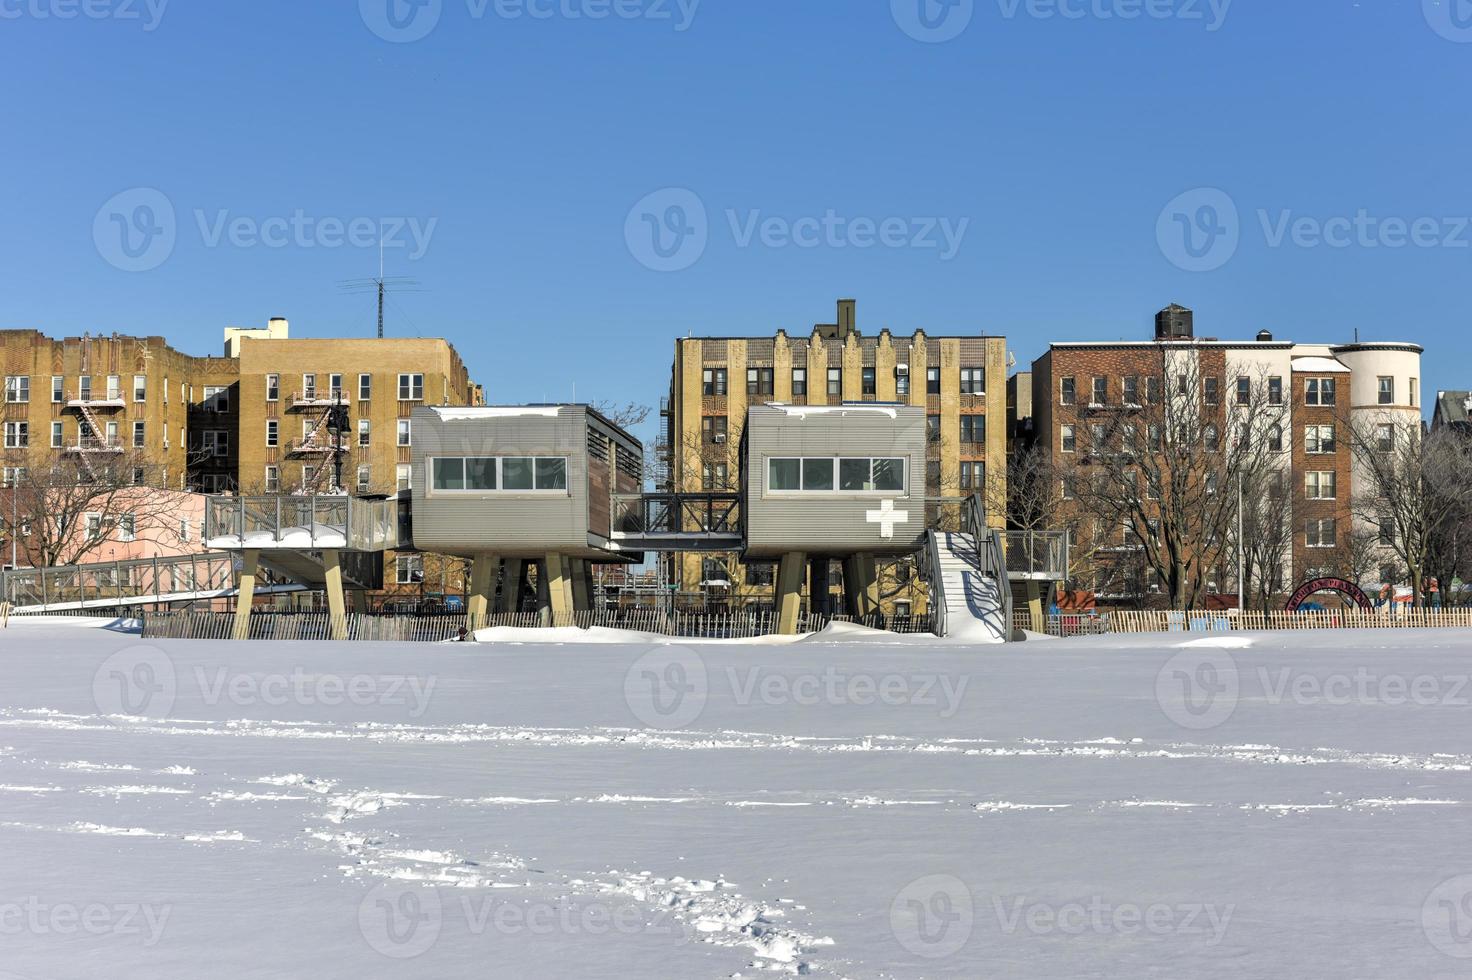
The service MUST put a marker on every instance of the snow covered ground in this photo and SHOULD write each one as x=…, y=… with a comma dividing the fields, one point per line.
x=1246, y=806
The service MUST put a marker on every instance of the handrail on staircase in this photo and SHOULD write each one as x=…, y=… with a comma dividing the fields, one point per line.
x=991, y=552
x=937, y=583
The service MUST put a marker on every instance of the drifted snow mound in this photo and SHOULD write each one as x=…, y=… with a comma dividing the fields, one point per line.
x=1217, y=642
x=969, y=632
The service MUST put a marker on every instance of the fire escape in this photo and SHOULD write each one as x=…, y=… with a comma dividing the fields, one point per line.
x=97, y=425
x=324, y=413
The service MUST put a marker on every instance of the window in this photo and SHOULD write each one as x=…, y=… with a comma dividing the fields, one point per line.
x=1275, y=391
x=854, y=475
x=932, y=428
x=405, y=432
x=114, y=388
x=365, y=479
x=272, y=432
x=1183, y=385
x=409, y=569
x=214, y=443
x=365, y=432
x=973, y=429
x=799, y=381
x=1275, y=438
x=1320, y=485
x=184, y=529
x=94, y=526
x=404, y=477
x=1321, y=533
x=56, y=389
x=1068, y=391
x=1067, y=489
x=1152, y=391
x=761, y=575
x=902, y=381
x=1386, y=526
x=411, y=387
x=1132, y=390
x=1155, y=437
x=1068, y=439
x=139, y=477
x=11, y=476
x=1211, y=391
x=1101, y=392
x=273, y=387
x=334, y=387
x=1244, y=391
x=1415, y=393
x=758, y=381
x=713, y=381
x=973, y=381
x=17, y=389
x=1275, y=486
x=484, y=474
x=1211, y=484
x=1211, y=436
x=1385, y=437
x=112, y=434
x=932, y=381
x=1387, y=391
x=127, y=527
x=1319, y=440
x=713, y=429
x=868, y=385
x=309, y=386
x=973, y=475
x=714, y=476
x=84, y=388
x=140, y=387
x=139, y=435
x=365, y=387
x=17, y=435
x=1097, y=438
x=835, y=381
x=217, y=398
x=57, y=436
x=1319, y=391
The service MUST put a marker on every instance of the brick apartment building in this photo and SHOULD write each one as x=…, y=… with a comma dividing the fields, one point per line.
x=251, y=421
x=960, y=380
x=1317, y=395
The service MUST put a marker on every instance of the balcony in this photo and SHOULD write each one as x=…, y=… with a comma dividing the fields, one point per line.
x=110, y=401
x=316, y=398
x=95, y=445
x=308, y=447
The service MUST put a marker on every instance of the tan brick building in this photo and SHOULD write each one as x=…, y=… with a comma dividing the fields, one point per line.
x=121, y=397
x=960, y=380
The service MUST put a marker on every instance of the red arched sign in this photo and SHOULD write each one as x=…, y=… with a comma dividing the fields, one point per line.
x=1349, y=590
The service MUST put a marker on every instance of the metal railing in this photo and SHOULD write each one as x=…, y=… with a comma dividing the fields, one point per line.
x=699, y=519
x=132, y=582
x=991, y=553
x=313, y=523
x=1037, y=555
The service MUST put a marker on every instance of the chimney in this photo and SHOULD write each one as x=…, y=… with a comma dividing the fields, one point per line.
x=1175, y=323
x=845, y=318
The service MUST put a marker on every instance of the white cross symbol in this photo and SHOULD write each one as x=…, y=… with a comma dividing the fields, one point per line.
x=887, y=517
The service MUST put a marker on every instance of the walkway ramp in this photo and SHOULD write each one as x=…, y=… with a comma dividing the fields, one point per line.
x=139, y=582
x=972, y=596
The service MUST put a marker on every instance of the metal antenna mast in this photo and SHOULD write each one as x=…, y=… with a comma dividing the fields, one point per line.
x=382, y=286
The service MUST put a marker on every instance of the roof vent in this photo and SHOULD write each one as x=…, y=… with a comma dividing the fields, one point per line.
x=1174, y=323
x=1264, y=336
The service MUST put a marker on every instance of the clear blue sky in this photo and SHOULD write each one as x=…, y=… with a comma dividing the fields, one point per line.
x=529, y=140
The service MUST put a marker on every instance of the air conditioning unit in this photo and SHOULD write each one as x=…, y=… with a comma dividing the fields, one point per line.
x=902, y=370
x=720, y=437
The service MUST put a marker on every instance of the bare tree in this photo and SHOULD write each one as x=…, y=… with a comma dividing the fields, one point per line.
x=1265, y=536
x=63, y=506
x=1417, y=491
x=1159, y=476
x=625, y=415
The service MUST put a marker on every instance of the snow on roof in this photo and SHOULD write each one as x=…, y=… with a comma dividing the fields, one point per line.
x=802, y=411
x=1321, y=365
x=497, y=412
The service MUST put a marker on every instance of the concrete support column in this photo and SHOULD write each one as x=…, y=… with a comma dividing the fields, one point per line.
x=250, y=565
x=789, y=591
x=336, y=602
x=860, y=585
x=581, y=575
x=544, y=596
x=482, y=590
x=513, y=573
x=1035, y=610
x=820, y=598
x=560, y=588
